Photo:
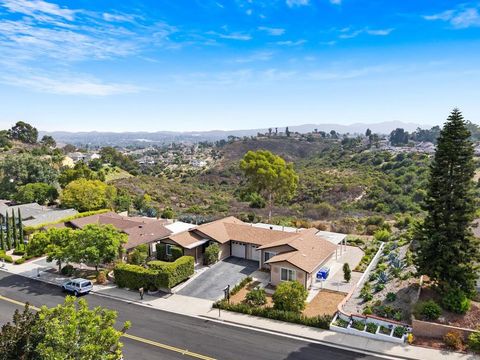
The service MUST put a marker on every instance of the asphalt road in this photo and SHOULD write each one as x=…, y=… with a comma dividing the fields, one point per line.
x=161, y=335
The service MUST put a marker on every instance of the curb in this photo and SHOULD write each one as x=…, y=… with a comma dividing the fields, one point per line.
x=323, y=342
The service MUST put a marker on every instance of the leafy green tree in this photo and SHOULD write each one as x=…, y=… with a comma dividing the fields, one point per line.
x=40, y=193
x=5, y=140
x=59, y=245
x=18, y=340
x=290, y=296
x=48, y=141
x=19, y=170
x=80, y=171
x=88, y=195
x=69, y=331
x=168, y=213
x=8, y=238
x=98, y=244
x=139, y=255
x=447, y=251
x=14, y=231
x=24, y=132
x=399, y=137
x=268, y=174
x=3, y=245
x=21, y=233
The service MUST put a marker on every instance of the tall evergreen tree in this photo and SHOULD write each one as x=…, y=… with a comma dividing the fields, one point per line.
x=20, y=229
x=446, y=250
x=3, y=246
x=14, y=231
x=8, y=240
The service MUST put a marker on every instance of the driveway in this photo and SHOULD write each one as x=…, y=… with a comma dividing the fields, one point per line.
x=210, y=284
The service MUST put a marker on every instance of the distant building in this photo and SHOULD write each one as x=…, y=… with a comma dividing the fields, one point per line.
x=198, y=163
x=68, y=162
x=76, y=156
x=34, y=214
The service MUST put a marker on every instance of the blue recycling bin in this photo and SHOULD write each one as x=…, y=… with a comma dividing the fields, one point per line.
x=323, y=273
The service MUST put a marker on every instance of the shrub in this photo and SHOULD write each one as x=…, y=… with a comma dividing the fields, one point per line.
x=322, y=321
x=161, y=251
x=399, y=331
x=379, y=287
x=347, y=273
x=372, y=328
x=256, y=297
x=18, y=252
x=358, y=325
x=211, y=253
x=177, y=252
x=101, y=277
x=382, y=235
x=168, y=213
x=173, y=273
x=385, y=330
x=453, y=340
x=6, y=258
x=366, y=292
x=429, y=310
x=67, y=270
x=368, y=310
x=340, y=322
x=391, y=297
x=474, y=341
x=241, y=285
x=19, y=261
x=135, y=277
x=290, y=296
x=455, y=300
x=137, y=256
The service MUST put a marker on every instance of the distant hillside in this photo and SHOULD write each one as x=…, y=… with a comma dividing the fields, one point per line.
x=94, y=138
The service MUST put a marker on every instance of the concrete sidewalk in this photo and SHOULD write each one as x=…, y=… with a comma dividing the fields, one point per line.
x=191, y=306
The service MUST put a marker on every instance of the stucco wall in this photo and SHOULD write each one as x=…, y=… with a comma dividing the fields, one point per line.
x=436, y=331
x=276, y=249
x=224, y=250
x=275, y=273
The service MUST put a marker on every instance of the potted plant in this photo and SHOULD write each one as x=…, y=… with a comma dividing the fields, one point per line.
x=372, y=328
x=399, y=331
x=358, y=325
x=385, y=330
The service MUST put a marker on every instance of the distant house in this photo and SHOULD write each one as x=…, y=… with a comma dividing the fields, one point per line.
x=76, y=156
x=198, y=163
x=34, y=214
x=92, y=156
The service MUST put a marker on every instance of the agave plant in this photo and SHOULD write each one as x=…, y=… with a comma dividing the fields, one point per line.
x=383, y=277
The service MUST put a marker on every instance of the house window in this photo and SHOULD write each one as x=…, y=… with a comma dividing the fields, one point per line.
x=287, y=275
x=168, y=249
x=268, y=255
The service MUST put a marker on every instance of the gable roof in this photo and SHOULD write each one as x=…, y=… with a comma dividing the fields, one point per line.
x=140, y=230
x=216, y=230
x=186, y=239
x=254, y=235
x=310, y=251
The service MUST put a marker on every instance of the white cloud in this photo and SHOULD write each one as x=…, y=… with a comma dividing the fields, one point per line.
x=460, y=18
x=343, y=74
x=38, y=9
x=348, y=33
x=291, y=43
x=258, y=56
x=336, y=2
x=272, y=31
x=231, y=35
x=67, y=85
x=249, y=12
x=293, y=3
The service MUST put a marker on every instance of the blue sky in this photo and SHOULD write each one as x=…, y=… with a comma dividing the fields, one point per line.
x=200, y=65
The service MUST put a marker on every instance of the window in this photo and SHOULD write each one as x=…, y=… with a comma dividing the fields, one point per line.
x=268, y=255
x=168, y=249
x=287, y=275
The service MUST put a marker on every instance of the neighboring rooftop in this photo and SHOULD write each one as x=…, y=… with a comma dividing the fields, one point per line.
x=34, y=214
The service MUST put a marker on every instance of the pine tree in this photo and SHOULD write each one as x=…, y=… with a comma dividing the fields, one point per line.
x=447, y=251
x=14, y=231
x=7, y=230
x=20, y=229
x=3, y=246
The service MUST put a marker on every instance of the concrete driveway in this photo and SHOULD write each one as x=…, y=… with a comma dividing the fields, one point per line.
x=210, y=284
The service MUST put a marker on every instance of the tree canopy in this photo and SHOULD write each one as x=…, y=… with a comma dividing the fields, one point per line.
x=270, y=175
x=68, y=331
x=399, y=137
x=40, y=193
x=23, y=132
x=447, y=251
x=88, y=195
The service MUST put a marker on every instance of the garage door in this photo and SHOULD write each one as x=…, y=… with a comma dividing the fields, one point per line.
x=255, y=253
x=238, y=249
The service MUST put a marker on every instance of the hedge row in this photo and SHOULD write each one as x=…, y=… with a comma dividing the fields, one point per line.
x=29, y=229
x=158, y=275
x=321, y=321
x=175, y=272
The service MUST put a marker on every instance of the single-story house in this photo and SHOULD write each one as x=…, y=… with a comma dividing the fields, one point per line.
x=34, y=214
x=289, y=255
x=140, y=230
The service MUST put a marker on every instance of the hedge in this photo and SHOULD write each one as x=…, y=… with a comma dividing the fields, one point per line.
x=161, y=251
x=30, y=229
x=157, y=275
x=177, y=252
x=6, y=258
x=135, y=277
x=321, y=321
x=173, y=273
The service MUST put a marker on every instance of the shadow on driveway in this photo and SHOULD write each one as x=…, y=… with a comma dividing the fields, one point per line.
x=210, y=284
